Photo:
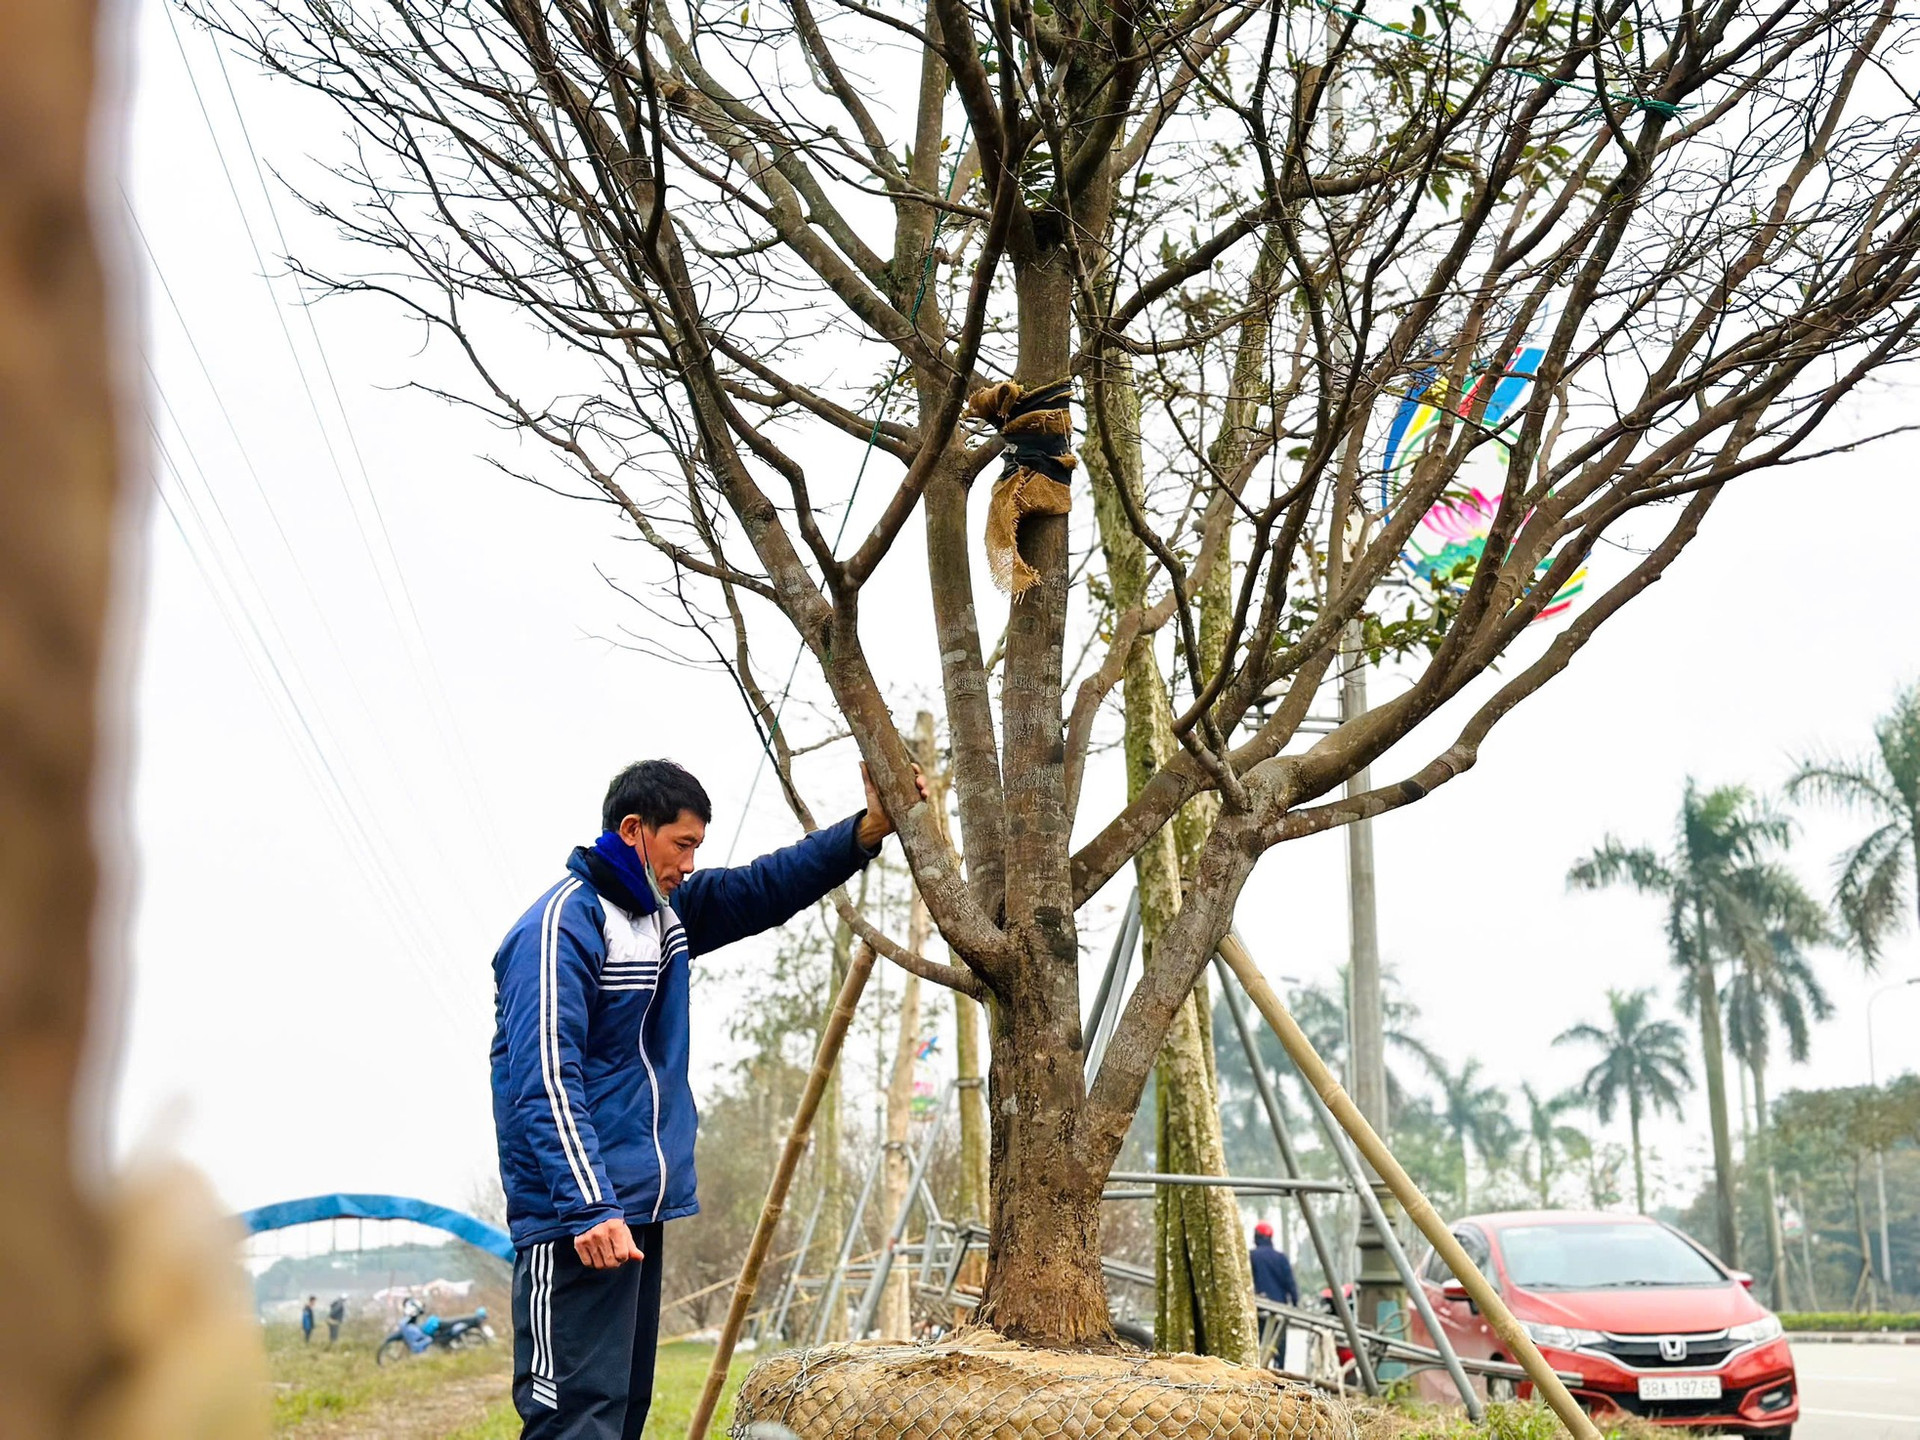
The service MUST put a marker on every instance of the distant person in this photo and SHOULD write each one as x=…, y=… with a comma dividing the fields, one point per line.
x=1272, y=1271
x=306, y=1320
x=1273, y=1280
x=336, y=1316
x=591, y=1104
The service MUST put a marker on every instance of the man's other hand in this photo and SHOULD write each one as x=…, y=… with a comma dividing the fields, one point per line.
x=875, y=826
x=607, y=1246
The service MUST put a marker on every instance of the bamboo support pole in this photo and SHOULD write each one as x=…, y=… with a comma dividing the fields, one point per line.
x=1417, y=1206
x=823, y=1062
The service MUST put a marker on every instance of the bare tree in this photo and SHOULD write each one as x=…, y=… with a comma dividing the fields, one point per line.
x=733, y=228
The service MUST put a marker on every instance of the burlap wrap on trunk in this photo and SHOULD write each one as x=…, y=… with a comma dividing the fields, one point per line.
x=1038, y=428
x=974, y=1386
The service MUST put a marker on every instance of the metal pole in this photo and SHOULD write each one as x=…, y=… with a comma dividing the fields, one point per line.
x=1367, y=1140
x=1366, y=1010
x=883, y=1263
x=818, y=1330
x=1105, y=1012
x=777, y=1326
x=1251, y=1184
x=1291, y=1164
x=1390, y=1243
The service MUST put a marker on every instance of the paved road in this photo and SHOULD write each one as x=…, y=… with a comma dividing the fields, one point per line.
x=1858, y=1392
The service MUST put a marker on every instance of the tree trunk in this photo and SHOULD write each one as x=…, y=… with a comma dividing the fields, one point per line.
x=829, y=1152
x=1639, y=1170
x=1465, y=1205
x=1707, y=994
x=1203, y=1284
x=975, y=1200
x=974, y=1191
x=1866, y=1247
x=1044, y=1283
x=1763, y=1156
x=59, y=487
x=1806, y=1248
x=895, y=1319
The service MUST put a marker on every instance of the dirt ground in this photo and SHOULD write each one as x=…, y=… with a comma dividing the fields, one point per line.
x=456, y=1404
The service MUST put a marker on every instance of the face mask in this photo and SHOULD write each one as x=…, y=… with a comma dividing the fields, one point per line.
x=653, y=881
x=653, y=884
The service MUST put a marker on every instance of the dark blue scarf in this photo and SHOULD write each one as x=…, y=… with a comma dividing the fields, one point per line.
x=625, y=862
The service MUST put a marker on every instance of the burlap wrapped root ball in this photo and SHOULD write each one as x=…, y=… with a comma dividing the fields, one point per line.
x=979, y=1387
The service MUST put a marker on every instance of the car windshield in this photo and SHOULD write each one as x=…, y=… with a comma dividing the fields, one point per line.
x=1600, y=1256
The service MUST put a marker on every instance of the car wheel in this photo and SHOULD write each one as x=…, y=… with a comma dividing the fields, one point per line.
x=1501, y=1388
x=1785, y=1432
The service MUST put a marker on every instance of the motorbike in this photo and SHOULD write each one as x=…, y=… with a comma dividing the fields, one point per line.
x=420, y=1332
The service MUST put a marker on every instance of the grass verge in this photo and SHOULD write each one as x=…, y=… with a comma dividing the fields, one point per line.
x=315, y=1382
x=679, y=1372
x=1845, y=1321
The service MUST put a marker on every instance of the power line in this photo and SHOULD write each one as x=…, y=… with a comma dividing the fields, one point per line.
x=278, y=688
x=280, y=528
x=413, y=641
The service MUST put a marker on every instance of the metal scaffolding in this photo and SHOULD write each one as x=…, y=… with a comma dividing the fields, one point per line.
x=940, y=1255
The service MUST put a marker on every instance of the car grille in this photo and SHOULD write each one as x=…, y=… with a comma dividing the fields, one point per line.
x=1642, y=1352
x=1727, y=1404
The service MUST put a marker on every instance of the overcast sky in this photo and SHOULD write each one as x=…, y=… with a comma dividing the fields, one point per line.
x=309, y=1000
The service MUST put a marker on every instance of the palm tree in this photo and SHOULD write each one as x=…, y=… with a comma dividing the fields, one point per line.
x=1775, y=983
x=1642, y=1060
x=1721, y=838
x=1875, y=886
x=1474, y=1115
x=1549, y=1137
x=1321, y=1011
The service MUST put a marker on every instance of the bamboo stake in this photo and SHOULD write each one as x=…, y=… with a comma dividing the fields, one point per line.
x=823, y=1062
x=1397, y=1180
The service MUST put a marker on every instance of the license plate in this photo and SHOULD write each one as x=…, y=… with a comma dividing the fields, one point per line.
x=1680, y=1387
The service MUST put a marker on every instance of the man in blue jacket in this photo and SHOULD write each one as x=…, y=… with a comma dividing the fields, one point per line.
x=591, y=1105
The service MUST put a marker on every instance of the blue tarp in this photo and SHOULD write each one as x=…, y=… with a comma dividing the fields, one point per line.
x=490, y=1238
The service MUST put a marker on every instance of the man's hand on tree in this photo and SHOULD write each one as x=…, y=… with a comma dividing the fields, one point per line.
x=874, y=825
x=607, y=1246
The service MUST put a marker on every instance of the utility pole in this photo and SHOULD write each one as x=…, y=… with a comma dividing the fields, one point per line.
x=1366, y=1021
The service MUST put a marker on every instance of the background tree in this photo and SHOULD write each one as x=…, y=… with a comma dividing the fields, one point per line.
x=1824, y=1141
x=1774, y=983
x=1875, y=891
x=731, y=230
x=1713, y=880
x=1475, y=1115
x=1642, y=1061
x=1549, y=1138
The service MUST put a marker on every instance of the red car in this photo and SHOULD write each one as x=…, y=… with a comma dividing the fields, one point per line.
x=1653, y=1324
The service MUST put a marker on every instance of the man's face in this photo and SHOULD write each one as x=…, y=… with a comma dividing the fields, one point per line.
x=669, y=849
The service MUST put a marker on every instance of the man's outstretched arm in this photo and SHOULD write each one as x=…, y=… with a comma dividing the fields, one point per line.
x=717, y=907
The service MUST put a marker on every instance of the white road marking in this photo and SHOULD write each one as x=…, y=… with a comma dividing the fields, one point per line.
x=1859, y=1415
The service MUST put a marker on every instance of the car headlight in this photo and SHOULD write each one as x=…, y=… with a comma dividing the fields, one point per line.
x=1559, y=1337
x=1767, y=1327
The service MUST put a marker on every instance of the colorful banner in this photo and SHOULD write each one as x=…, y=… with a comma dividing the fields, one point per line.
x=1452, y=536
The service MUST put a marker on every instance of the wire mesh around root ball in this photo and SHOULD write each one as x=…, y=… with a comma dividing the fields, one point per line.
x=975, y=1386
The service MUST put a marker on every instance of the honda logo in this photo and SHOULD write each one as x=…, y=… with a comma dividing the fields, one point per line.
x=1673, y=1348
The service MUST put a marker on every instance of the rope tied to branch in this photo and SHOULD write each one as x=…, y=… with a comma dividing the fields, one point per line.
x=1036, y=475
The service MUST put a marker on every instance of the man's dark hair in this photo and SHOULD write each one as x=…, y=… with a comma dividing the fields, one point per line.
x=657, y=791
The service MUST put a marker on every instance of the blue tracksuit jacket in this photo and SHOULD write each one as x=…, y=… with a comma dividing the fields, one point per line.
x=591, y=1105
